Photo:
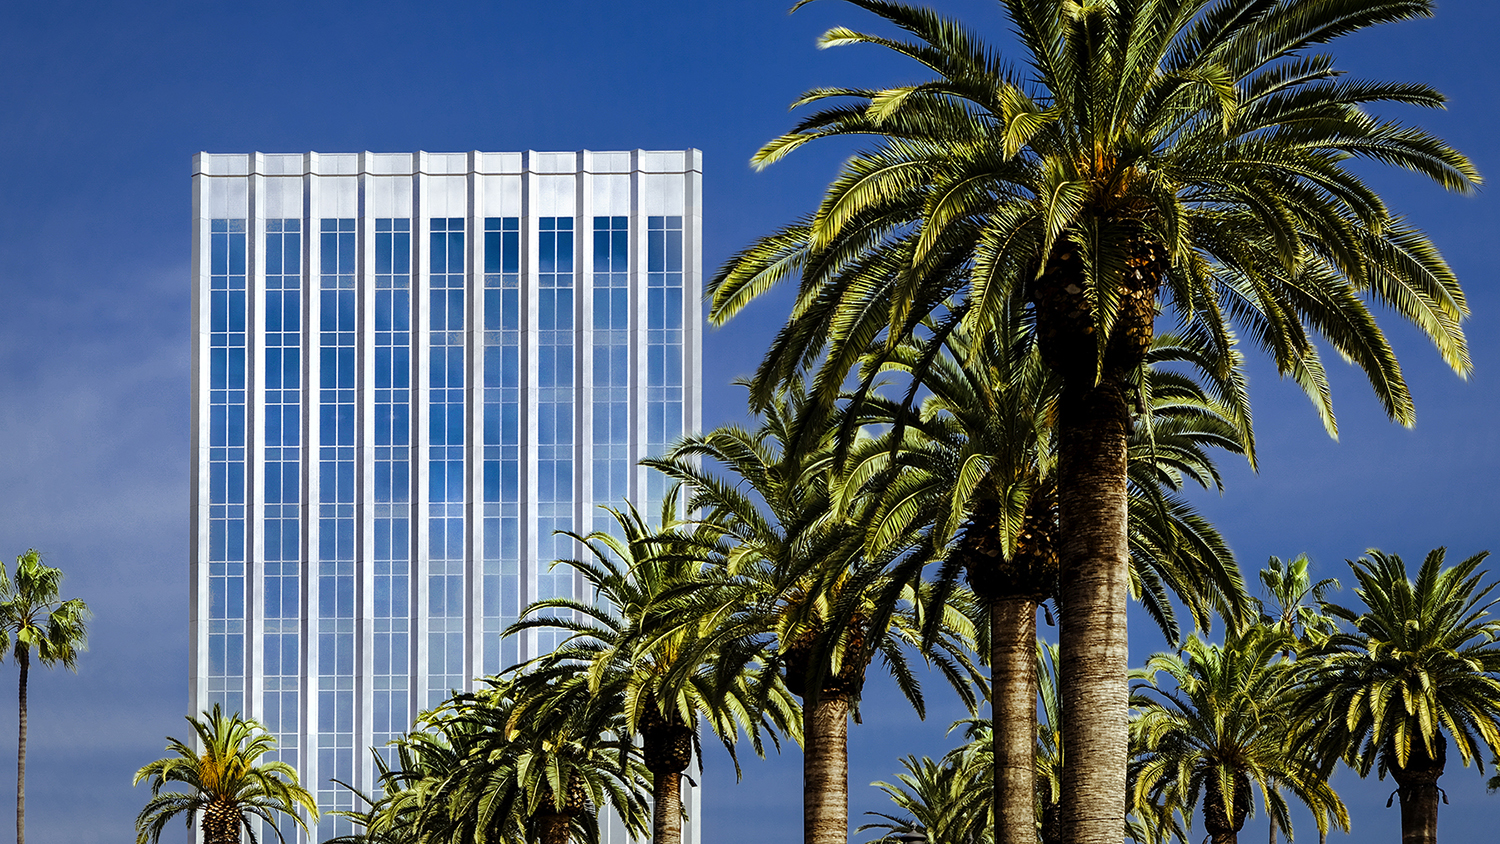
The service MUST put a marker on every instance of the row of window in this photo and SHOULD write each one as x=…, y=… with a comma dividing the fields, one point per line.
x=499, y=451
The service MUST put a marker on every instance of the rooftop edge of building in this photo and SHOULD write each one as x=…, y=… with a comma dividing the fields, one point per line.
x=445, y=163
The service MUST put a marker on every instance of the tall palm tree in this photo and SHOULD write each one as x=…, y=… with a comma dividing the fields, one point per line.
x=1187, y=153
x=225, y=782
x=980, y=450
x=1292, y=608
x=1221, y=733
x=1293, y=600
x=34, y=618
x=1149, y=822
x=809, y=580
x=652, y=637
x=1419, y=663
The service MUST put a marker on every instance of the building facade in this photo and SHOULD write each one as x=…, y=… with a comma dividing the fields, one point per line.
x=409, y=370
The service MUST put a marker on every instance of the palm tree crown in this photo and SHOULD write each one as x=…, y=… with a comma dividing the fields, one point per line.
x=34, y=619
x=1418, y=663
x=1294, y=600
x=1222, y=732
x=654, y=638
x=1186, y=153
x=807, y=579
x=225, y=782
x=477, y=770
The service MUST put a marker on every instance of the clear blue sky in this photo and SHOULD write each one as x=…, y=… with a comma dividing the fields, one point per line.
x=103, y=104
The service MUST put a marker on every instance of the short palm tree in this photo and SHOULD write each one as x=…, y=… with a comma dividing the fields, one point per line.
x=1418, y=663
x=1222, y=733
x=1190, y=154
x=33, y=618
x=654, y=636
x=938, y=799
x=224, y=781
x=808, y=579
x=477, y=772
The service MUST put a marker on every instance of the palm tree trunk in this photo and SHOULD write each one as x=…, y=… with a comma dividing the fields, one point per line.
x=25, y=661
x=1418, y=792
x=825, y=770
x=1418, y=810
x=1013, y=703
x=1419, y=813
x=221, y=822
x=667, y=748
x=1095, y=583
x=666, y=808
x=554, y=827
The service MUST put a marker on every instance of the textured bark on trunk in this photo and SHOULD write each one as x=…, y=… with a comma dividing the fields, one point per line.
x=1013, y=691
x=554, y=828
x=825, y=770
x=1051, y=834
x=221, y=823
x=666, y=808
x=667, y=747
x=1095, y=583
x=1221, y=826
x=25, y=661
x=1418, y=792
x=1093, y=423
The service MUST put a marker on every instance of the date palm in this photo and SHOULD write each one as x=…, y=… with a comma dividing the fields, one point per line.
x=653, y=637
x=1188, y=154
x=1149, y=821
x=808, y=580
x=34, y=619
x=937, y=799
x=1415, y=667
x=1220, y=732
x=975, y=466
x=477, y=771
x=225, y=781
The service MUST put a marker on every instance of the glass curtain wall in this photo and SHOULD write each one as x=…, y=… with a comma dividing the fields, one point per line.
x=338, y=308
x=392, y=493
x=226, y=465
x=611, y=392
x=502, y=440
x=554, y=423
x=282, y=489
x=664, y=339
x=432, y=412
x=445, y=492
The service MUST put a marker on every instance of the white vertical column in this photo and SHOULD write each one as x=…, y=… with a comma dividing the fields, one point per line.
x=421, y=229
x=530, y=336
x=473, y=421
x=638, y=247
x=312, y=329
x=692, y=299
x=255, y=452
x=198, y=435
x=583, y=357
x=364, y=507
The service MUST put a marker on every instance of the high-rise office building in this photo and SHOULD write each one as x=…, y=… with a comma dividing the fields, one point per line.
x=409, y=370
